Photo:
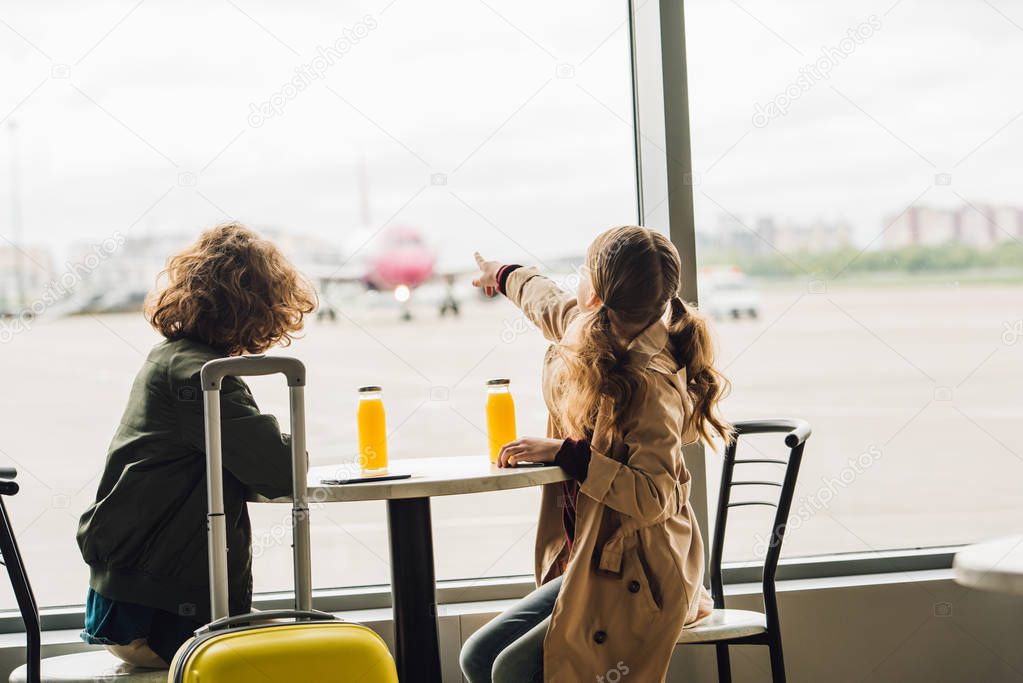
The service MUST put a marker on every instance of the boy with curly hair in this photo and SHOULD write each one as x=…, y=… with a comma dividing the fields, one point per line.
x=230, y=293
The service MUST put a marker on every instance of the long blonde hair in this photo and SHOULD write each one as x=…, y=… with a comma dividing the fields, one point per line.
x=636, y=272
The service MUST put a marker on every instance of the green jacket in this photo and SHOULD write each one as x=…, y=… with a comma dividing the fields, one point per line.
x=144, y=538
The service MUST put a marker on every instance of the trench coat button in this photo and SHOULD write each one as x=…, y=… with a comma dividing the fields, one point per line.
x=599, y=637
x=633, y=586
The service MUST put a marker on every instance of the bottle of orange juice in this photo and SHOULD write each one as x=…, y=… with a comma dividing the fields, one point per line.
x=500, y=415
x=372, y=429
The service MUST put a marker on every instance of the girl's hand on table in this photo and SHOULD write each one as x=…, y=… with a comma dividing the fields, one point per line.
x=528, y=449
x=487, y=278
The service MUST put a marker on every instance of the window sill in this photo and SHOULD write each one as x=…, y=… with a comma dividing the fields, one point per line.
x=827, y=571
x=846, y=564
x=379, y=618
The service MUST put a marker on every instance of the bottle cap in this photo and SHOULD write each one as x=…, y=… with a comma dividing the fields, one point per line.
x=369, y=389
x=498, y=382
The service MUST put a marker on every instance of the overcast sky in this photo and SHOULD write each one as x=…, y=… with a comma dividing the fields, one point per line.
x=137, y=116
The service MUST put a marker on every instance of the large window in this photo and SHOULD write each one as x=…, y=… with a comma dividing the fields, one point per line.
x=858, y=237
x=859, y=233
x=347, y=131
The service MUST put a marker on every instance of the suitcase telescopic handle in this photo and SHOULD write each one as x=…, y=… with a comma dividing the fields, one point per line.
x=215, y=371
x=211, y=377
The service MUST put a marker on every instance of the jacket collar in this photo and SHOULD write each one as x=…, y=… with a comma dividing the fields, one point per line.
x=649, y=343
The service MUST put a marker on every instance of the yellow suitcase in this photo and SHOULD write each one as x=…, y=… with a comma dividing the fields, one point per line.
x=301, y=645
x=305, y=651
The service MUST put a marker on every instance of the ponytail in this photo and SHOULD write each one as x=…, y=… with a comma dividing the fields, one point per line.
x=693, y=348
x=595, y=368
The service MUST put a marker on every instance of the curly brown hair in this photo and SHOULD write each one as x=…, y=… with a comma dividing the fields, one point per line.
x=232, y=290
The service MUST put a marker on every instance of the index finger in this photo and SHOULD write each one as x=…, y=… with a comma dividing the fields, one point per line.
x=479, y=259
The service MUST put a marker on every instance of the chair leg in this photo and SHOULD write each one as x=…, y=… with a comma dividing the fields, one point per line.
x=724, y=664
x=777, y=660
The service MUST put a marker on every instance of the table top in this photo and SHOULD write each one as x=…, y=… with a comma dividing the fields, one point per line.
x=993, y=565
x=449, y=476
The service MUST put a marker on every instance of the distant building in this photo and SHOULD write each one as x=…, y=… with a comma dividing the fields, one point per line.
x=766, y=235
x=732, y=234
x=309, y=253
x=118, y=277
x=24, y=273
x=976, y=225
x=816, y=236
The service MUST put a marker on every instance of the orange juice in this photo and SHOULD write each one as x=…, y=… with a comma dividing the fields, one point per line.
x=372, y=429
x=500, y=416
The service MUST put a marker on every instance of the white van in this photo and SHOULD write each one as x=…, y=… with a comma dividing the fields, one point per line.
x=726, y=292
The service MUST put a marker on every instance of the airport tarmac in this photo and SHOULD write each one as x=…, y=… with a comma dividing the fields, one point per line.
x=912, y=391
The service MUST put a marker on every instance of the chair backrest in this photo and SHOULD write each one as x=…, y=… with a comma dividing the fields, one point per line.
x=19, y=577
x=796, y=434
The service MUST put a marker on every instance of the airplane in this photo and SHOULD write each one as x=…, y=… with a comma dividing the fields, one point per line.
x=404, y=260
x=398, y=260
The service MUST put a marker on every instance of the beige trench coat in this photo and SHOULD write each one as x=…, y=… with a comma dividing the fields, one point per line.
x=635, y=577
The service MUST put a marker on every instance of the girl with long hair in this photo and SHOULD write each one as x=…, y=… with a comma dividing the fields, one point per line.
x=628, y=381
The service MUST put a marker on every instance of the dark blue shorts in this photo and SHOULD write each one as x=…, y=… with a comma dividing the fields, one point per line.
x=109, y=622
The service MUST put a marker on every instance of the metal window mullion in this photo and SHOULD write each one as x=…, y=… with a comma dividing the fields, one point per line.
x=662, y=118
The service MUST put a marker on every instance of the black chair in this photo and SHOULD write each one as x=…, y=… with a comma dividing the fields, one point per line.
x=19, y=577
x=727, y=627
x=94, y=666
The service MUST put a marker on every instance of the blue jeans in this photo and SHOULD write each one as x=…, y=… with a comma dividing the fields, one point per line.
x=509, y=649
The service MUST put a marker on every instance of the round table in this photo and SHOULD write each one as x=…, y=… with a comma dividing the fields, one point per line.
x=413, y=586
x=993, y=565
